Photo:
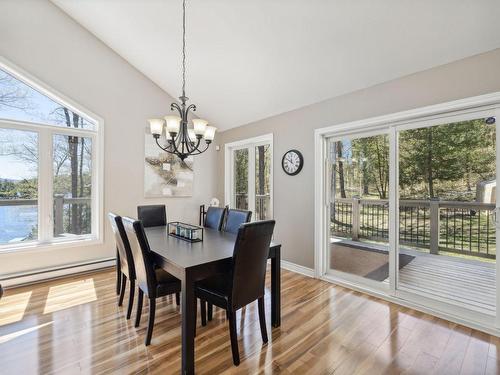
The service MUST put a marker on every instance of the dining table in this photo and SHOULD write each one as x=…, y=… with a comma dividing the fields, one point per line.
x=194, y=261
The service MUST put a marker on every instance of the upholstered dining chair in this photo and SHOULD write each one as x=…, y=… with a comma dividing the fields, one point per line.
x=152, y=215
x=245, y=281
x=214, y=217
x=125, y=261
x=153, y=282
x=234, y=218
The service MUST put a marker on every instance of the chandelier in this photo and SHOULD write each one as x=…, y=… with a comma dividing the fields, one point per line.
x=182, y=140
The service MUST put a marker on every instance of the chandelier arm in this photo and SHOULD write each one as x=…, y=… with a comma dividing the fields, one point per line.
x=166, y=149
x=178, y=108
x=191, y=107
x=201, y=151
x=192, y=147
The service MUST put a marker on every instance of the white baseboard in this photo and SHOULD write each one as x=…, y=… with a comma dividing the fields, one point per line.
x=297, y=268
x=23, y=278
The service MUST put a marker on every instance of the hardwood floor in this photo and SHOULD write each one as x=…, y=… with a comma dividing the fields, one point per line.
x=74, y=325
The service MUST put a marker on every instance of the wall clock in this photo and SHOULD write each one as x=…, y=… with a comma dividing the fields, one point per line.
x=292, y=162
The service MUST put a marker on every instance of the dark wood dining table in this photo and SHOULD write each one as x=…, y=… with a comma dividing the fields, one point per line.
x=191, y=262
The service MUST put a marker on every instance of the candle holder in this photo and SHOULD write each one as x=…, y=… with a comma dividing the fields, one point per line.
x=186, y=232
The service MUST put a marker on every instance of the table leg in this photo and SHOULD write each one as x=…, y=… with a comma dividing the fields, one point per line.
x=276, y=289
x=188, y=307
x=118, y=273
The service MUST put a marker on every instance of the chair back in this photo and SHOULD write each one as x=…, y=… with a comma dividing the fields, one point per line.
x=249, y=262
x=126, y=259
x=214, y=217
x=235, y=218
x=144, y=266
x=152, y=215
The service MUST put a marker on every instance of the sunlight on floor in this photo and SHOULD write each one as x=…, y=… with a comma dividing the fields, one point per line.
x=12, y=308
x=67, y=295
x=21, y=332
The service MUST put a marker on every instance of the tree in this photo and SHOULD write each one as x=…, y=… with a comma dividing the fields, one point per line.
x=437, y=156
x=340, y=169
x=12, y=94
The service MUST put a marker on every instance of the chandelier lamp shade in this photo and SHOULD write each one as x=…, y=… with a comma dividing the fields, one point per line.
x=182, y=139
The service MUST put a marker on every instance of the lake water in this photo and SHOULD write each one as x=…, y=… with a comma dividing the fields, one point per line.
x=16, y=222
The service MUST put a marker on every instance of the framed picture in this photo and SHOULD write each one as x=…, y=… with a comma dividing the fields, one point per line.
x=165, y=175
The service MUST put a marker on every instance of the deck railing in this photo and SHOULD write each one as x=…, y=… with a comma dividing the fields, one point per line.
x=439, y=226
x=61, y=205
x=262, y=204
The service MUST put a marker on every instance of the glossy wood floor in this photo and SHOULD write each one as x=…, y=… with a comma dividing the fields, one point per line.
x=73, y=325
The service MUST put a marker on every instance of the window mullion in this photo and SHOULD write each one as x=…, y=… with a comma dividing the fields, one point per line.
x=45, y=205
x=251, y=178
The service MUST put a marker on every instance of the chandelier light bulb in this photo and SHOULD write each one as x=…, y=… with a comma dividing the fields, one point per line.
x=210, y=133
x=156, y=126
x=200, y=126
x=173, y=124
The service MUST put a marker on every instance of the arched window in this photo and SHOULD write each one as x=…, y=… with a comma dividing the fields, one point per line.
x=49, y=189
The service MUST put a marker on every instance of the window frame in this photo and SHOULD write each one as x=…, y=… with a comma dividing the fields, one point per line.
x=46, y=240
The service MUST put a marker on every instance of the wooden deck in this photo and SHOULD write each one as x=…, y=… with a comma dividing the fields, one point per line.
x=448, y=278
x=457, y=279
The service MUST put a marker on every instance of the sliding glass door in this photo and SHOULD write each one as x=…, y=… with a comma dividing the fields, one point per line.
x=359, y=207
x=250, y=177
x=447, y=204
x=410, y=209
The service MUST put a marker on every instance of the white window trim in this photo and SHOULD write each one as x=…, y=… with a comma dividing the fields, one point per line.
x=228, y=168
x=97, y=135
x=464, y=109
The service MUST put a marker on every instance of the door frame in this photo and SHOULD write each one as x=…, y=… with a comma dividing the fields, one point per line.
x=250, y=144
x=433, y=114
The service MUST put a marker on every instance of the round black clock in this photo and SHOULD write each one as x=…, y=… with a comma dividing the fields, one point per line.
x=292, y=162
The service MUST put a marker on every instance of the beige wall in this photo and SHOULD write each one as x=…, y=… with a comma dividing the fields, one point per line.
x=42, y=40
x=294, y=196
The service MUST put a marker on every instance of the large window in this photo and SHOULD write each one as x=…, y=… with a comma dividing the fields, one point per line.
x=48, y=178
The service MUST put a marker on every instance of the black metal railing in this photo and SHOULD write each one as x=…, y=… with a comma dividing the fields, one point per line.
x=439, y=226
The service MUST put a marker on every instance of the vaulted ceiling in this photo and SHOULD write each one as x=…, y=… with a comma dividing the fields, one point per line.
x=249, y=60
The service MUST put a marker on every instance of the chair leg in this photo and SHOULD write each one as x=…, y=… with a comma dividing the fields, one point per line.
x=118, y=281
x=131, y=298
x=210, y=311
x=262, y=319
x=122, y=290
x=139, y=308
x=234, y=337
x=151, y=321
x=203, y=312
x=177, y=298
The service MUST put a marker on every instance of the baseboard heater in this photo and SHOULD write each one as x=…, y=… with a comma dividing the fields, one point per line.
x=23, y=278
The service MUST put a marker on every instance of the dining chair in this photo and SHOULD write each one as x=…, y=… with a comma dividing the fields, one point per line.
x=153, y=282
x=214, y=217
x=152, y=215
x=234, y=218
x=231, y=221
x=245, y=281
x=125, y=261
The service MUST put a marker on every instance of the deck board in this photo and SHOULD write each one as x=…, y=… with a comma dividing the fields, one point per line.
x=463, y=281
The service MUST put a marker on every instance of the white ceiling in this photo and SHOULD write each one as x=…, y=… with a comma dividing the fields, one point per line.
x=248, y=60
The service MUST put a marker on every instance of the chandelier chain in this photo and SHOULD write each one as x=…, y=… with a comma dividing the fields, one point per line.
x=184, y=48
